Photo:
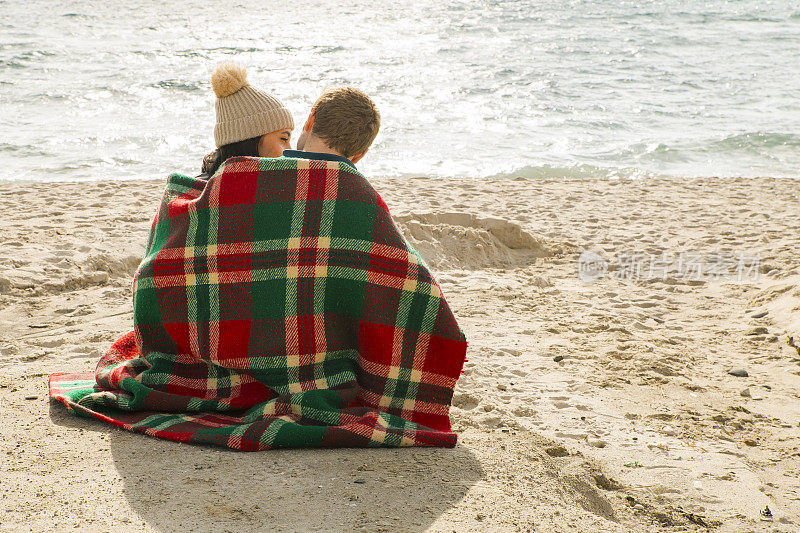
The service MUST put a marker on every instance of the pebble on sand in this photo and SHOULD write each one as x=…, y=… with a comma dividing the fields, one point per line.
x=754, y=392
x=738, y=372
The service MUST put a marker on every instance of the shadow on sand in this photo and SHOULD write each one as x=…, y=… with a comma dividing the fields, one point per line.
x=182, y=487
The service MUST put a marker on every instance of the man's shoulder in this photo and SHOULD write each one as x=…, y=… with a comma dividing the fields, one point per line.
x=318, y=156
x=283, y=164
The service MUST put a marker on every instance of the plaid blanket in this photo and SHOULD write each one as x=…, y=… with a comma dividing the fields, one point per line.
x=277, y=305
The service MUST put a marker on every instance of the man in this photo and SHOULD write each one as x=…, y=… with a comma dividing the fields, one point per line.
x=341, y=127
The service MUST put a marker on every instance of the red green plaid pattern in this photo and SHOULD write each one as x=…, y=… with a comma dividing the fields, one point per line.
x=277, y=305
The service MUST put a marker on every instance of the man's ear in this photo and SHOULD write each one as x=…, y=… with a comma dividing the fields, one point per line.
x=309, y=121
x=356, y=158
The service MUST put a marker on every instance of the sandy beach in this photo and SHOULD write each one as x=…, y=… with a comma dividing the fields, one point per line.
x=593, y=400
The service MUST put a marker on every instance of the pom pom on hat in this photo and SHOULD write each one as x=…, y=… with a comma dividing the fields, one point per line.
x=243, y=111
x=228, y=78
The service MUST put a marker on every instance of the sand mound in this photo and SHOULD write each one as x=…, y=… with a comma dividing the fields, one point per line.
x=779, y=304
x=465, y=241
x=115, y=265
x=62, y=270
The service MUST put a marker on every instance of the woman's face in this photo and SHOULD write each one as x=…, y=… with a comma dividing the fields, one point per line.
x=273, y=144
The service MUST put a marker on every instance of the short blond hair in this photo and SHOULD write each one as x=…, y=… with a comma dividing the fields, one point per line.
x=346, y=119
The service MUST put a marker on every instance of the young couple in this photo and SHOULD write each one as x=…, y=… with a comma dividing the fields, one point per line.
x=277, y=304
x=250, y=122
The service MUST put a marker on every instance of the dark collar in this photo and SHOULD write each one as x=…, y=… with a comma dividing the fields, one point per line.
x=300, y=154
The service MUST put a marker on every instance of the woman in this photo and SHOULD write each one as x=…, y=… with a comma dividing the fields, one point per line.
x=250, y=122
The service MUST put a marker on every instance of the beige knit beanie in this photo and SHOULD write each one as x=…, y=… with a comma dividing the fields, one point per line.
x=243, y=111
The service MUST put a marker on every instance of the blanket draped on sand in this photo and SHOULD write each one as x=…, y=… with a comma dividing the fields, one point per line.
x=277, y=305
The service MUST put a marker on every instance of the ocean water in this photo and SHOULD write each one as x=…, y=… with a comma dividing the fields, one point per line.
x=120, y=90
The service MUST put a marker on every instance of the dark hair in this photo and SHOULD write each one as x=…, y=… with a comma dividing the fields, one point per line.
x=212, y=161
